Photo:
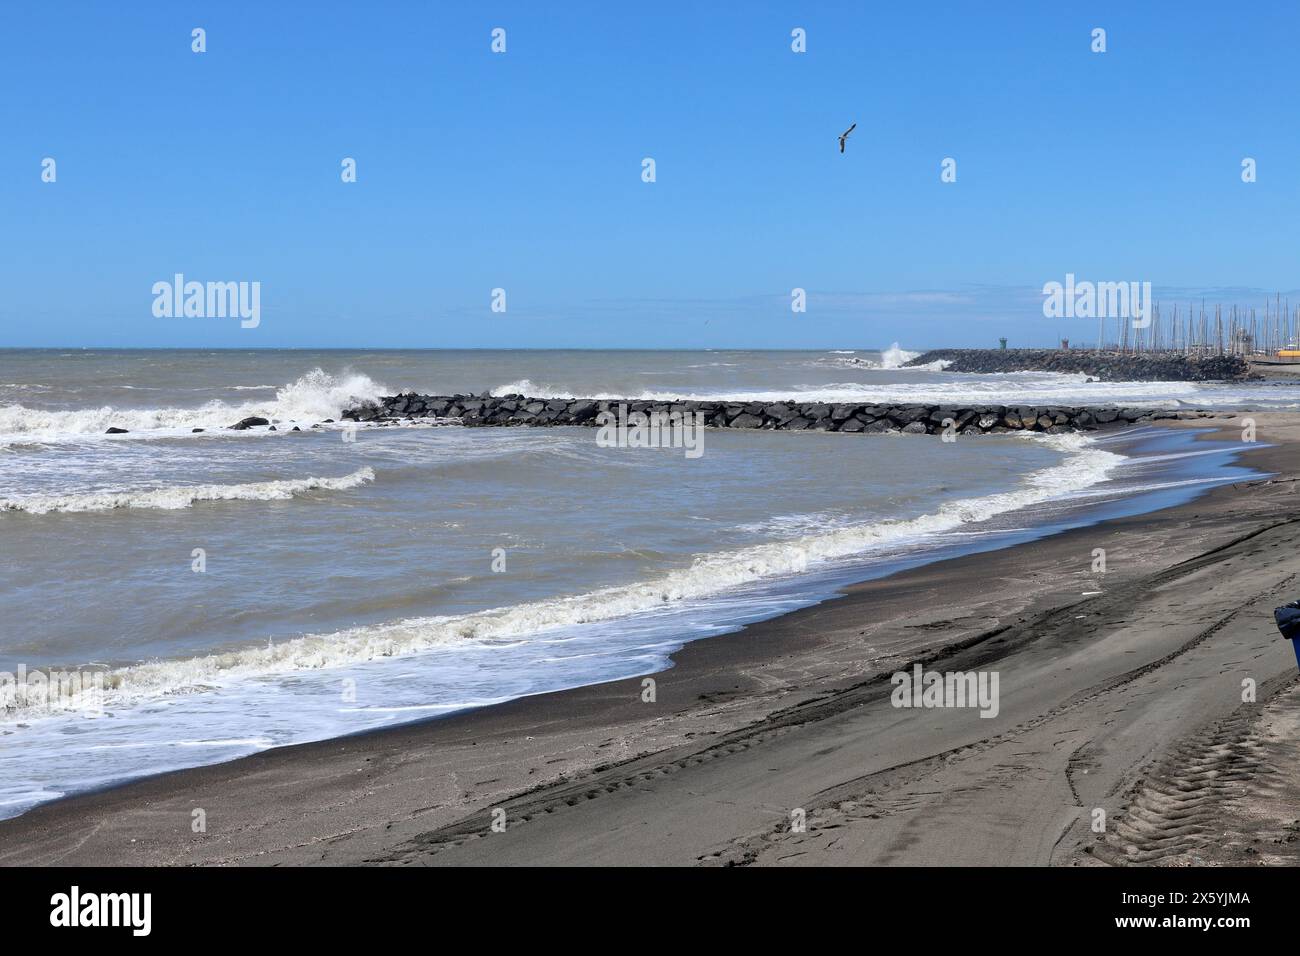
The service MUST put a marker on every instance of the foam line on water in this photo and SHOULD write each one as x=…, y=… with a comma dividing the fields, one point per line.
x=1033, y=389
x=181, y=496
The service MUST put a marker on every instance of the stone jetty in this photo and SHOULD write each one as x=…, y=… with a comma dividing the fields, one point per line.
x=1107, y=366
x=506, y=410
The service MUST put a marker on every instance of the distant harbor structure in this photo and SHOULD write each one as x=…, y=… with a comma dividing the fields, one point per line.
x=1198, y=330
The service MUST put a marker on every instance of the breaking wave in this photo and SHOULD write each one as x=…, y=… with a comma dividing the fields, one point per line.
x=894, y=357
x=891, y=358
x=181, y=496
x=312, y=398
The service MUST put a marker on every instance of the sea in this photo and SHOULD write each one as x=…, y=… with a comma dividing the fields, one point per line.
x=219, y=593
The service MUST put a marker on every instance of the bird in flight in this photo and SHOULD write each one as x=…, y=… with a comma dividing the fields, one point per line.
x=845, y=135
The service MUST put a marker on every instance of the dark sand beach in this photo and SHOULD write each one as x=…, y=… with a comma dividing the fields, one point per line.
x=1120, y=691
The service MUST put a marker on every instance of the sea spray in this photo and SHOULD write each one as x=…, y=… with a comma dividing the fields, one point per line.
x=895, y=357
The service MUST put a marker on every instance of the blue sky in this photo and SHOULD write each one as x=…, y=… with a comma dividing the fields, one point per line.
x=523, y=170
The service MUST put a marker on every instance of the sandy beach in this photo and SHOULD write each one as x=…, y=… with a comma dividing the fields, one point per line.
x=1120, y=692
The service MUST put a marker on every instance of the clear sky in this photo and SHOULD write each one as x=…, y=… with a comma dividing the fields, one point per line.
x=523, y=170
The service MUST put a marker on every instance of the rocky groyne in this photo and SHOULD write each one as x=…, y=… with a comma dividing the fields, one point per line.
x=508, y=410
x=1107, y=366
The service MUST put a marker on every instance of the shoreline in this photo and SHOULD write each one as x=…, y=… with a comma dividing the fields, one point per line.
x=374, y=797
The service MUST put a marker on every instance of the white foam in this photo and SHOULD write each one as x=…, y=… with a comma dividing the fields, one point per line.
x=531, y=389
x=1033, y=388
x=891, y=358
x=181, y=496
x=708, y=576
x=894, y=357
x=312, y=398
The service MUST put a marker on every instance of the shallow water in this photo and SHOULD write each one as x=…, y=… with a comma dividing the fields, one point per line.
x=420, y=570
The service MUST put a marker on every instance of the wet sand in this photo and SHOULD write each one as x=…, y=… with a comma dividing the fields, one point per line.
x=1119, y=691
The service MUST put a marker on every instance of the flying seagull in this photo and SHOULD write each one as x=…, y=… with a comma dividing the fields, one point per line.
x=845, y=135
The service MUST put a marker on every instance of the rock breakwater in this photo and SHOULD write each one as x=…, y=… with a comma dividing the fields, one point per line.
x=507, y=410
x=1107, y=366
